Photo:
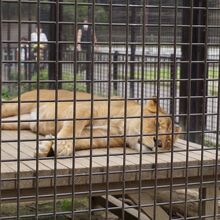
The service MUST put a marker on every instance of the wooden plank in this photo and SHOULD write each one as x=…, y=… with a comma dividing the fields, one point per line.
x=82, y=169
x=12, y=149
x=25, y=153
x=23, y=174
x=45, y=167
x=24, y=170
x=209, y=153
x=115, y=165
x=7, y=176
x=195, y=153
x=4, y=154
x=13, y=135
x=209, y=205
x=129, y=213
x=149, y=210
x=27, y=147
x=116, y=161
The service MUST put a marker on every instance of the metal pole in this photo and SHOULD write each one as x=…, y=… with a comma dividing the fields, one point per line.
x=29, y=47
x=134, y=32
x=172, y=75
x=88, y=53
x=25, y=64
x=88, y=68
x=9, y=77
x=60, y=73
x=194, y=68
x=52, y=49
x=115, y=71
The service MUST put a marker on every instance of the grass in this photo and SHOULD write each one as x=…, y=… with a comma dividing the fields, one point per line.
x=209, y=143
x=64, y=205
x=166, y=75
x=9, y=92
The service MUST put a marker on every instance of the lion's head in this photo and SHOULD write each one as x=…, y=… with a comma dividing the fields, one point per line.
x=157, y=131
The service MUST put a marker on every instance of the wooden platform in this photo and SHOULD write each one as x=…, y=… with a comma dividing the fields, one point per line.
x=47, y=173
x=28, y=166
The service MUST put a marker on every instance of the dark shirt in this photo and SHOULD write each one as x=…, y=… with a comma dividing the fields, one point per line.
x=86, y=38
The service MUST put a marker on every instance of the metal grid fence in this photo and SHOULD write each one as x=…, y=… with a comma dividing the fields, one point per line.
x=168, y=50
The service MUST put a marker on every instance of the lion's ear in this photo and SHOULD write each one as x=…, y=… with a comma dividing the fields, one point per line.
x=151, y=105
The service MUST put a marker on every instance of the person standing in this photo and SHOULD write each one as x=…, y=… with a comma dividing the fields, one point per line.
x=85, y=39
x=24, y=56
x=42, y=44
x=85, y=36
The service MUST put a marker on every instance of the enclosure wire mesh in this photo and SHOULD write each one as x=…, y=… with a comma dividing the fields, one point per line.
x=137, y=50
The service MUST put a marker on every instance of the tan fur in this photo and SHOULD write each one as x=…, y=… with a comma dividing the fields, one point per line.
x=65, y=126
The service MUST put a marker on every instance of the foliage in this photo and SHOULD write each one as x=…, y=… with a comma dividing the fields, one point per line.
x=67, y=76
x=5, y=92
x=66, y=204
x=9, y=91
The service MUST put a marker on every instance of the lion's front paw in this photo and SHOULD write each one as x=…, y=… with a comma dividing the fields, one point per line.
x=44, y=147
x=64, y=148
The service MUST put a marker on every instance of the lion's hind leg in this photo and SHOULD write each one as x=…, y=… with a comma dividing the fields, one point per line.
x=11, y=109
x=15, y=122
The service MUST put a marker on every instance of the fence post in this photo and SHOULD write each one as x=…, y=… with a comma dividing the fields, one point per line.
x=88, y=68
x=194, y=53
x=172, y=86
x=54, y=72
x=115, y=71
x=25, y=64
x=134, y=33
x=29, y=69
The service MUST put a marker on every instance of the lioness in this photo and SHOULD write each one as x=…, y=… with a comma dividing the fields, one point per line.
x=66, y=128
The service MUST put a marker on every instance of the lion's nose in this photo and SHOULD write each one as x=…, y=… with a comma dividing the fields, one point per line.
x=157, y=142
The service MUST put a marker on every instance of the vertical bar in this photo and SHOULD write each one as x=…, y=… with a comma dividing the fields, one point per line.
x=88, y=68
x=29, y=47
x=125, y=111
x=189, y=15
x=115, y=72
x=60, y=65
x=157, y=110
x=52, y=47
x=109, y=106
x=204, y=13
x=173, y=71
x=92, y=107
x=25, y=62
x=88, y=52
x=173, y=106
x=197, y=70
x=184, y=67
x=8, y=46
x=143, y=32
x=216, y=183
x=134, y=30
x=74, y=105
x=38, y=106
x=57, y=17
x=1, y=84
x=19, y=110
